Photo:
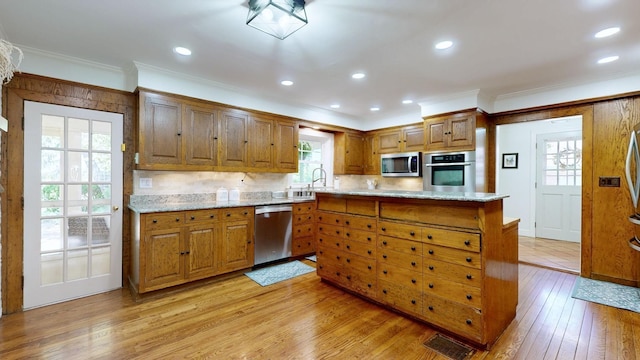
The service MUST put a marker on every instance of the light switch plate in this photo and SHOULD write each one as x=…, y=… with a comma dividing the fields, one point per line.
x=609, y=181
x=146, y=183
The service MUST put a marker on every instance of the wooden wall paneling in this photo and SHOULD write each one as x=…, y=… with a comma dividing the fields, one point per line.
x=53, y=91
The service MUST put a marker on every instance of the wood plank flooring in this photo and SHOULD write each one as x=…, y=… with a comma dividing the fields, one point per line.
x=304, y=318
x=552, y=254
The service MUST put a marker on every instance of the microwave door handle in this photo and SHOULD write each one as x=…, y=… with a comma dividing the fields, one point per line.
x=448, y=164
x=408, y=164
x=633, y=152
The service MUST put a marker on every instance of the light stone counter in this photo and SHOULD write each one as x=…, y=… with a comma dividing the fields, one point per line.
x=427, y=195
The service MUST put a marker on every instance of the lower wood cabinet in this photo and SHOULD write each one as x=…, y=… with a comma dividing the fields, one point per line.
x=302, y=239
x=173, y=248
x=448, y=263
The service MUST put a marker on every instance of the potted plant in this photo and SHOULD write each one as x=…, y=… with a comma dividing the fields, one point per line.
x=7, y=65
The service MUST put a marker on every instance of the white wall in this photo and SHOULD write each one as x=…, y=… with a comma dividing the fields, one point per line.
x=519, y=183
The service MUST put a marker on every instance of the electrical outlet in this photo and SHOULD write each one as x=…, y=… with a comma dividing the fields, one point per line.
x=146, y=183
x=609, y=181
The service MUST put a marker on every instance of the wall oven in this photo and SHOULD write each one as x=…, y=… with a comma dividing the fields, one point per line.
x=401, y=164
x=450, y=172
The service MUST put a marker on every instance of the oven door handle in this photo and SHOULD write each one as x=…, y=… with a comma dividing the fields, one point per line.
x=448, y=164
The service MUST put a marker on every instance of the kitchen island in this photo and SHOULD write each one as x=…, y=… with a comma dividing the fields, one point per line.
x=448, y=259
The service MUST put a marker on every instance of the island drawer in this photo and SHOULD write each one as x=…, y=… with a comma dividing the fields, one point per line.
x=399, y=245
x=404, y=277
x=330, y=218
x=197, y=216
x=463, y=294
x=460, y=319
x=302, y=229
x=451, y=238
x=332, y=204
x=302, y=218
x=349, y=278
x=456, y=256
x=332, y=230
x=360, y=222
x=330, y=241
x=453, y=272
x=435, y=212
x=166, y=220
x=401, y=297
x=390, y=258
x=361, y=207
x=304, y=207
x=366, y=237
x=404, y=231
x=358, y=263
x=359, y=248
x=302, y=246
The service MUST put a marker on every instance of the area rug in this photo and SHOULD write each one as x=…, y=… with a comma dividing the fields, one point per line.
x=312, y=258
x=276, y=273
x=606, y=293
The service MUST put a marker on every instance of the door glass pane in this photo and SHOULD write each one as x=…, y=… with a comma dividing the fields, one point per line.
x=101, y=167
x=51, y=268
x=77, y=232
x=51, y=197
x=52, y=237
x=52, y=131
x=563, y=162
x=52, y=165
x=101, y=199
x=100, y=229
x=77, y=199
x=100, y=260
x=77, y=264
x=78, y=166
x=101, y=136
x=78, y=134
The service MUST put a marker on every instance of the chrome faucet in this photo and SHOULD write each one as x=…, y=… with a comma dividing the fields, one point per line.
x=323, y=176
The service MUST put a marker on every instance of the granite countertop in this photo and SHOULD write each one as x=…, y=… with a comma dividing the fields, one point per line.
x=427, y=195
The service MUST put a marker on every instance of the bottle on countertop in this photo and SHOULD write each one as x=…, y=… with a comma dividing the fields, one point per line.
x=290, y=193
x=336, y=183
x=222, y=195
x=234, y=194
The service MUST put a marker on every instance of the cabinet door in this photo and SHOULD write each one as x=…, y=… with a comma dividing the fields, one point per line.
x=202, y=242
x=261, y=143
x=286, y=146
x=413, y=139
x=435, y=134
x=371, y=155
x=390, y=142
x=160, y=134
x=237, y=245
x=462, y=132
x=200, y=135
x=354, y=157
x=233, y=139
x=163, y=264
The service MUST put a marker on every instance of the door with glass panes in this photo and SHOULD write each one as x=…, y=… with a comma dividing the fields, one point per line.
x=72, y=203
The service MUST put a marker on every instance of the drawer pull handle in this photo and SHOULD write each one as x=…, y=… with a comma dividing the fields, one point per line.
x=337, y=221
x=430, y=308
x=413, y=281
x=212, y=216
x=369, y=285
x=468, y=259
x=384, y=242
x=467, y=242
x=384, y=291
x=348, y=277
x=348, y=260
x=347, y=222
x=320, y=239
x=430, y=286
x=228, y=214
x=413, y=248
x=384, y=271
x=321, y=267
x=347, y=234
x=338, y=257
x=369, y=252
x=338, y=273
x=338, y=232
x=369, y=267
x=193, y=218
x=469, y=297
x=319, y=217
x=177, y=219
x=349, y=247
x=155, y=221
x=320, y=228
x=413, y=263
x=246, y=213
x=413, y=302
x=412, y=233
x=469, y=322
x=384, y=229
x=469, y=276
x=369, y=226
x=338, y=244
x=430, y=252
x=369, y=238
x=430, y=267
x=321, y=252
x=384, y=256
x=429, y=237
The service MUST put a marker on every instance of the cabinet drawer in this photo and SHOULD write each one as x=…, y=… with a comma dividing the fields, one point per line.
x=331, y=230
x=329, y=241
x=450, y=238
x=460, y=293
x=361, y=207
x=197, y=216
x=360, y=222
x=303, y=208
x=460, y=319
x=347, y=260
x=349, y=278
x=453, y=272
x=330, y=218
x=163, y=220
x=390, y=259
x=399, y=245
x=403, y=277
x=302, y=230
x=359, y=248
x=447, y=214
x=366, y=237
x=456, y=256
x=400, y=297
x=332, y=204
x=403, y=231
x=239, y=213
x=302, y=218
x=302, y=246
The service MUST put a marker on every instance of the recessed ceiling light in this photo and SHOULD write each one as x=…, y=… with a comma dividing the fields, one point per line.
x=358, y=75
x=375, y=109
x=608, y=59
x=335, y=106
x=444, y=44
x=407, y=101
x=286, y=82
x=316, y=127
x=182, y=50
x=607, y=32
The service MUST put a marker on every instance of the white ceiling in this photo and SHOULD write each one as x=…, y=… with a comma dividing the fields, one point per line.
x=501, y=46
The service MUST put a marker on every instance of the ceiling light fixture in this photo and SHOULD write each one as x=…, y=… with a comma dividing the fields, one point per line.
x=375, y=109
x=407, y=101
x=444, y=44
x=607, y=32
x=358, y=76
x=286, y=82
x=278, y=18
x=335, y=106
x=182, y=51
x=608, y=59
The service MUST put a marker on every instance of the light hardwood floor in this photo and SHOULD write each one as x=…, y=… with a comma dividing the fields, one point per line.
x=552, y=254
x=304, y=318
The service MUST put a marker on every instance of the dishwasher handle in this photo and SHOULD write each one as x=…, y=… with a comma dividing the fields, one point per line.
x=272, y=209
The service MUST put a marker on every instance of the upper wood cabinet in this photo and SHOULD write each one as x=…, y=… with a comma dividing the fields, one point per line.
x=371, y=154
x=348, y=157
x=410, y=138
x=177, y=133
x=451, y=132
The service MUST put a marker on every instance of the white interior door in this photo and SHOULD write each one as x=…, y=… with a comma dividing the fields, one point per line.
x=72, y=201
x=559, y=184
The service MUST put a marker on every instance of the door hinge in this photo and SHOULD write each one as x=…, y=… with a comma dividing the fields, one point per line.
x=123, y=147
x=23, y=123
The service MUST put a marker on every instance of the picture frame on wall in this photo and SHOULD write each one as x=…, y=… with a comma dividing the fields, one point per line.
x=510, y=161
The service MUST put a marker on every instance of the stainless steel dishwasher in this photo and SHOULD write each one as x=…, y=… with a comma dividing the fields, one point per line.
x=272, y=233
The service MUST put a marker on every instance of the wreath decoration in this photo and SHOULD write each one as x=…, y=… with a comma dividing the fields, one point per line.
x=7, y=65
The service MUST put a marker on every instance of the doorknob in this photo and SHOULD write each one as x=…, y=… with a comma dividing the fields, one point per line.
x=116, y=208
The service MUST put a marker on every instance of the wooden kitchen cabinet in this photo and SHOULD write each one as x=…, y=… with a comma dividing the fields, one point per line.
x=371, y=154
x=261, y=142
x=236, y=251
x=451, y=132
x=273, y=144
x=234, y=128
x=302, y=239
x=348, y=153
x=200, y=136
x=160, y=131
x=286, y=145
x=405, y=139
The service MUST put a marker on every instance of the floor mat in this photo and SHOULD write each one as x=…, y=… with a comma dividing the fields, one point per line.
x=449, y=347
x=276, y=273
x=607, y=293
x=312, y=258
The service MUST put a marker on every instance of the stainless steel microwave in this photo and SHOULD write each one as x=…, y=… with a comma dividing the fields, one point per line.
x=401, y=164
